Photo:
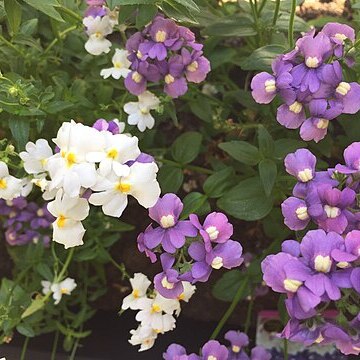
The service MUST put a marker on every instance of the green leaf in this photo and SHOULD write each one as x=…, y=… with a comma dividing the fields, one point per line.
x=195, y=202
x=189, y=4
x=177, y=11
x=241, y=151
x=145, y=14
x=34, y=306
x=226, y=288
x=25, y=329
x=186, y=147
x=20, y=131
x=246, y=201
x=47, y=7
x=13, y=15
x=237, y=25
x=286, y=146
x=170, y=178
x=216, y=184
x=262, y=58
x=29, y=27
x=266, y=142
x=133, y=2
x=45, y=272
x=58, y=106
x=268, y=173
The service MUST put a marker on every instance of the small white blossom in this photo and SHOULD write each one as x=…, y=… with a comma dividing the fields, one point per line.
x=65, y=287
x=140, y=182
x=139, y=283
x=144, y=336
x=69, y=212
x=36, y=155
x=97, y=29
x=121, y=66
x=139, y=112
x=10, y=186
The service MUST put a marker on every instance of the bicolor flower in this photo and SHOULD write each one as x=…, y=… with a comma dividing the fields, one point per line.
x=69, y=212
x=139, y=112
x=120, y=67
x=114, y=126
x=36, y=155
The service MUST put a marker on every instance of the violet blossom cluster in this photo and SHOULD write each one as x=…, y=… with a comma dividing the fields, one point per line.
x=215, y=350
x=309, y=80
x=165, y=51
x=25, y=222
x=323, y=269
x=189, y=250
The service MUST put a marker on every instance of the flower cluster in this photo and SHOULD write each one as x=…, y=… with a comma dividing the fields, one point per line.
x=214, y=350
x=310, y=82
x=95, y=165
x=156, y=314
x=189, y=250
x=25, y=222
x=99, y=22
x=58, y=289
x=164, y=51
x=323, y=269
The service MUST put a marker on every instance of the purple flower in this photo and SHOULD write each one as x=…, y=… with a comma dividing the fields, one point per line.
x=349, y=251
x=295, y=212
x=352, y=160
x=291, y=116
x=214, y=350
x=238, y=341
x=299, y=332
x=338, y=34
x=260, y=353
x=316, y=248
x=200, y=270
x=216, y=228
x=196, y=65
x=103, y=125
x=143, y=248
x=291, y=247
x=172, y=232
x=174, y=352
x=227, y=255
x=167, y=282
x=301, y=164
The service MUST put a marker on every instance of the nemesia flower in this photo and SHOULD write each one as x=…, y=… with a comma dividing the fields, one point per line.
x=144, y=336
x=139, y=283
x=69, y=212
x=121, y=65
x=97, y=29
x=139, y=181
x=338, y=34
x=295, y=212
x=114, y=126
x=238, y=341
x=65, y=287
x=352, y=160
x=260, y=353
x=172, y=233
x=301, y=164
x=36, y=155
x=10, y=186
x=214, y=350
x=139, y=112
x=196, y=65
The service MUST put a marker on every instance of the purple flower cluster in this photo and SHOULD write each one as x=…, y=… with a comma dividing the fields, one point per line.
x=25, y=222
x=189, y=250
x=165, y=51
x=214, y=350
x=323, y=270
x=309, y=80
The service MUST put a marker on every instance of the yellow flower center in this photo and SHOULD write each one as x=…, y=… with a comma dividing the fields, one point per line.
x=155, y=308
x=342, y=264
x=319, y=339
x=312, y=62
x=43, y=162
x=322, y=124
x=181, y=296
x=323, y=263
x=61, y=220
x=139, y=54
x=65, y=291
x=236, y=349
x=295, y=107
x=135, y=293
x=331, y=211
x=144, y=111
x=3, y=184
x=123, y=187
x=340, y=37
x=343, y=88
x=292, y=285
x=169, y=79
x=98, y=34
x=305, y=175
x=301, y=213
x=270, y=85
x=166, y=284
x=118, y=65
x=167, y=221
x=136, y=77
x=193, y=66
x=112, y=153
x=213, y=232
x=160, y=36
x=70, y=159
x=212, y=357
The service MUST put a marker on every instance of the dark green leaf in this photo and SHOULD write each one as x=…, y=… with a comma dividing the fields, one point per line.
x=286, y=146
x=268, y=173
x=133, y=2
x=25, y=329
x=45, y=272
x=241, y=151
x=186, y=147
x=47, y=7
x=216, y=184
x=190, y=4
x=145, y=14
x=226, y=288
x=170, y=178
x=266, y=142
x=195, y=202
x=246, y=201
x=237, y=25
x=179, y=12
x=13, y=15
x=20, y=131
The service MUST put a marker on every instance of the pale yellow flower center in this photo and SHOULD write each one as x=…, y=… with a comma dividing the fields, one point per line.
x=61, y=220
x=292, y=285
x=342, y=264
x=118, y=65
x=112, y=153
x=312, y=62
x=301, y=213
x=139, y=54
x=305, y=175
x=295, y=107
x=343, y=88
x=166, y=284
x=270, y=85
x=65, y=291
x=319, y=339
x=70, y=159
x=323, y=263
x=136, y=77
x=98, y=35
x=212, y=357
x=123, y=187
x=340, y=37
x=213, y=232
x=160, y=36
x=322, y=124
x=135, y=293
x=155, y=308
x=217, y=263
x=3, y=184
x=193, y=66
x=169, y=79
x=236, y=348
x=331, y=211
x=167, y=221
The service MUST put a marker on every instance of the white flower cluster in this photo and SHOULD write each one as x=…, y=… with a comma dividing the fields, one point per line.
x=64, y=287
x=91, y=166
x=156, y=313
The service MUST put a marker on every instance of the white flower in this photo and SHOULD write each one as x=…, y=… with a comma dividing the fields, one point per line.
x=139, y=112
x=10, y=186
x=69, y=169
x=139, y=284
x=157, y=313
x=26, y=187
x=121, y=65
x=36, y=155
x=97, y=29
x=188, y=292
x=68, y=229
x=65, y=287
x=118, y=150
x=144, y=336
x=140, y=182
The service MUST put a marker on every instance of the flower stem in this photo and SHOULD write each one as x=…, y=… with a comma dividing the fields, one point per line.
x=276, y=13
x=55, y=344
x=61, y=36
x=286, y=355
x=24, y=348
x=291, y=24
x=120, y=267
x=71, y=13
x=249, y=313
x=66, y=265
x=230, y=309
